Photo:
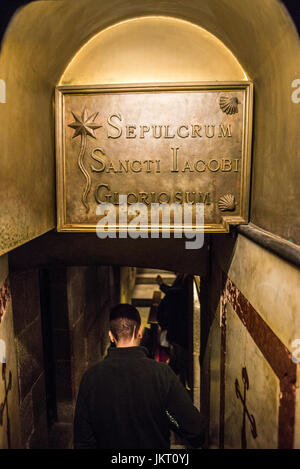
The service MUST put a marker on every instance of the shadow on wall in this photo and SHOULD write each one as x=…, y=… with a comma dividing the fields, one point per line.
x=211, y=288
x=7, y=10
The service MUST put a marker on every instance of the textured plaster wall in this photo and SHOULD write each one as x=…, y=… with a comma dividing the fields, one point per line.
x=271, y=285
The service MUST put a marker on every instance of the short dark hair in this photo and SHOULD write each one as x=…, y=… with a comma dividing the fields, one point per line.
x=124, y=320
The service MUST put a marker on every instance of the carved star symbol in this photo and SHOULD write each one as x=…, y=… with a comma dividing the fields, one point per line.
x=84, y=125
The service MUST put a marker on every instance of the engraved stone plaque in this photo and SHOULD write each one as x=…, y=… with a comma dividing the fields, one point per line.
x=179, y=143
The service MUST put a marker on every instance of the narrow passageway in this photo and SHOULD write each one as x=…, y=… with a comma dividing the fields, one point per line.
x=143, y=292
x=67, y=333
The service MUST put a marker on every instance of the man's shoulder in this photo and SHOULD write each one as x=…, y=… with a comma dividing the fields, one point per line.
x=162, y=369
x=91, y=372
x=149, y=365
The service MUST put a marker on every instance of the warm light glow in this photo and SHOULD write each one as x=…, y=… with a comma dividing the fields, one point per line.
x=152, y=49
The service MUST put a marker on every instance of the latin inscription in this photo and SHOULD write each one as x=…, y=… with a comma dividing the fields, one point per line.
x=155, y=145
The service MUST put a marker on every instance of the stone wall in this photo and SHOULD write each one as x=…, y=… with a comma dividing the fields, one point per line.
x=54, y=325
x=29, y=347
x=252, y=322
x=80, y=300
x=88, y=315
x=10, y=436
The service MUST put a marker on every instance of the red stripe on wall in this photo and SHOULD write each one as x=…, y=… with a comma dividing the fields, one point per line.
x=274, y=351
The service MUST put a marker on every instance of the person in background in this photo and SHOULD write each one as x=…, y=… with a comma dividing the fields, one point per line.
x=129, y=400
x=173, y=317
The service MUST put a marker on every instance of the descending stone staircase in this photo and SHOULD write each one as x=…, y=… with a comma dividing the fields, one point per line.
x=61, y=434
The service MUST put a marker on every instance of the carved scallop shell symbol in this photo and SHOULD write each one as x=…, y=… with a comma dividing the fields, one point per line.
x=227, y=203
x=229, y=105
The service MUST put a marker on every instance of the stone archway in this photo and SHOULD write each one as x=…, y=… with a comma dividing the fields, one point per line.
x=44, y=36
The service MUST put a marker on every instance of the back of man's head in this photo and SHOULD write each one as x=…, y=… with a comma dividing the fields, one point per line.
x=124, y=322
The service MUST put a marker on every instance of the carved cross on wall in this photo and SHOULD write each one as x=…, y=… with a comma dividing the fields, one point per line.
x=246, y=413
x=4, y=404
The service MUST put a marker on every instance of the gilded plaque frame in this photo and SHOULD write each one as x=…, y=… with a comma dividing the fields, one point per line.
x=226, y=220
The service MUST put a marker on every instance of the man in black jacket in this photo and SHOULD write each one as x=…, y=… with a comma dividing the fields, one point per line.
x=130, y=401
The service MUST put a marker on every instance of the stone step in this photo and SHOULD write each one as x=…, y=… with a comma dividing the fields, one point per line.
x=142, y=270
x=61, y=436
x=141, y=302
x=150, y=279
x=144, y=290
